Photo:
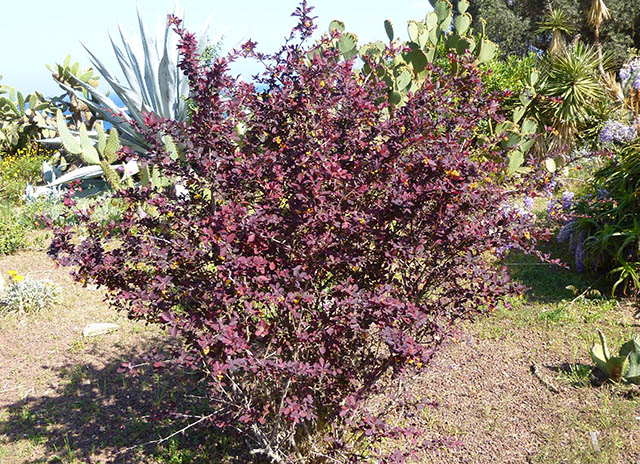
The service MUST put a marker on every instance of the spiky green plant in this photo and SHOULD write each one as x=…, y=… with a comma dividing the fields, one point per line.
x=572, y=76
x=153, y=83
x=625, y=366
x=598, y=13
x=558, y=24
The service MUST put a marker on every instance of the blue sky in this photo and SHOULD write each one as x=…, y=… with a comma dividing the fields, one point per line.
x=39, y=32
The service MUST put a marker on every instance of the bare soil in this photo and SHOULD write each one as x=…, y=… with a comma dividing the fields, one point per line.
x=500, y=388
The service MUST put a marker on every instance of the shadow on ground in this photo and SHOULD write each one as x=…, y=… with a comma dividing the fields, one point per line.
x=547, y=283
x=97, y=414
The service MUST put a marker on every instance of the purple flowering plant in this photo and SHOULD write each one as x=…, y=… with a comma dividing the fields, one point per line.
x=617, y=131
x=322, y=245
x=601, y=225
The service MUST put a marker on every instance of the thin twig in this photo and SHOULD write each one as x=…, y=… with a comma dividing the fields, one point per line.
x=162, y=440
x=590, y=287
x=9, y=390
x=543, y=381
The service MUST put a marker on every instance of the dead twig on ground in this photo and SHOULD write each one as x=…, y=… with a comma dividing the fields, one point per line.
x=547, y=383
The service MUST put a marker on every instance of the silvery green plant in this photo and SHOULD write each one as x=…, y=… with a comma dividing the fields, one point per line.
x=26, y=294
x=153, y=83
x=625, y=366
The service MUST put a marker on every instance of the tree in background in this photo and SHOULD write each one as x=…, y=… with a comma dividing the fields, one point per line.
x=514, y=23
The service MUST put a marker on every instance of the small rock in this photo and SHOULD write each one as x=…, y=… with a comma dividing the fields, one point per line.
x=594, y=441
x=99, y=328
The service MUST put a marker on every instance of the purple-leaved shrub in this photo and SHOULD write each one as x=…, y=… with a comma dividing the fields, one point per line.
x=320, y=245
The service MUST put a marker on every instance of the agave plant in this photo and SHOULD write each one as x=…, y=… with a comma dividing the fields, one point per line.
x=153, y=83
x=625, y=366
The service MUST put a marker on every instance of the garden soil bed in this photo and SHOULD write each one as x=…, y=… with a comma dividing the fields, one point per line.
x=62, y=398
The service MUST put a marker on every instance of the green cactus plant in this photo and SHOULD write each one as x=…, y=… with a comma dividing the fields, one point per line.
x=624, y=367
x=68, y=74
x=104, y=153
x=431, y=39
x=441, y=32
x=24, y=118
x=102, y=150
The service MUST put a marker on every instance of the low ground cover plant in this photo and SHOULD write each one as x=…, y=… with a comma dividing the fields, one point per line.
x=320, y=244
x=12, y=234
x=26, y=294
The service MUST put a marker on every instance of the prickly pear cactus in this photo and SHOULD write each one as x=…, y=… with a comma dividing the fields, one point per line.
x=440, y=33
x=24, y=118
x=104, y=153
x=102, y=150
x=403, y=65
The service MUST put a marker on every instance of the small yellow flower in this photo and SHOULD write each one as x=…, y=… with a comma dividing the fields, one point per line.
x=17, y=278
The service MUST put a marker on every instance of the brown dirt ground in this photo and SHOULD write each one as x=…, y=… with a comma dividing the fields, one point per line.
x=62, y=398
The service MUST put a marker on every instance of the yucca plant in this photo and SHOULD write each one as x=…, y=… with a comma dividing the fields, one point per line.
x=571, y=77
x=558, y=24
x=598, y=13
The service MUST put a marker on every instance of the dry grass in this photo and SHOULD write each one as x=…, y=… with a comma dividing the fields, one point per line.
x=62, y=399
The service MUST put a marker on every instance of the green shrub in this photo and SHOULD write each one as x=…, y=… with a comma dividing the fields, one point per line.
x=19, y=169
x=51, y=211
x=510, y=73
x=12, y=234
x=32, y=213
x=604, y=234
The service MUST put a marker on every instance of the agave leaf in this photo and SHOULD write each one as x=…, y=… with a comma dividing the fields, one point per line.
x=597, y=356
x=617, y=367
x=150, y=66
x=104, y=102
x=86, y=172
x=135, y=66
x=632, y=345
x=633, y=372
x=124, y=64
x=167, y=81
